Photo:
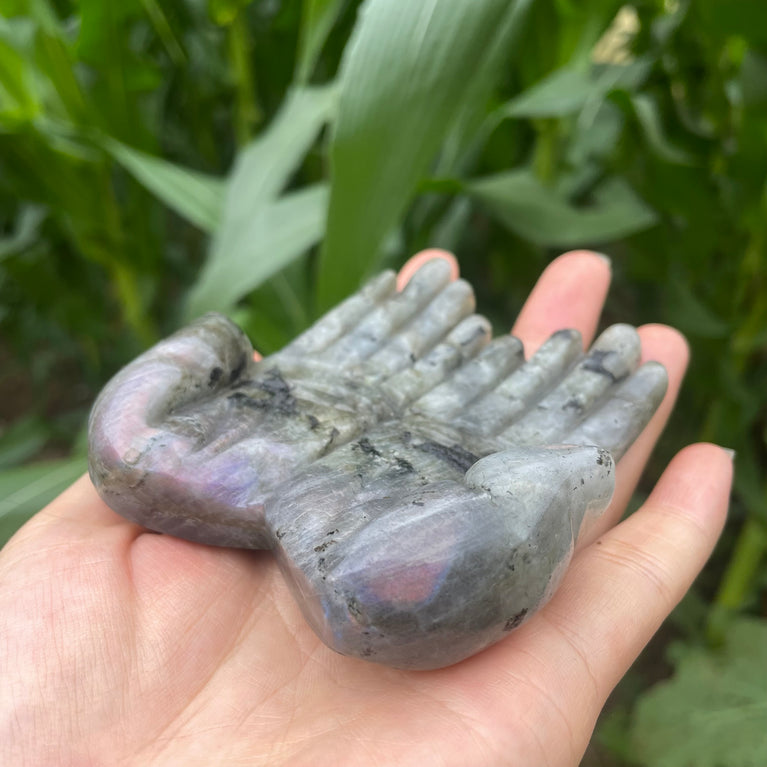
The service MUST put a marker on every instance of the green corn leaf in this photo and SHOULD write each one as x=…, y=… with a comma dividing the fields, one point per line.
x=466, y=129
x=264, y=167
x=648, y=114
x=403, y=79
x=569, y=89
x=317, y=19
x=259, y=233
x=271, y=238
x=195, y=196
x=712, y=712
x=472, y=126
x=542, y=216
x=18, y=100
x=561, y=93
x=27, y=489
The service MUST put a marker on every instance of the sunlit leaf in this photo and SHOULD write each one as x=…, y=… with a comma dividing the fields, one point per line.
x=259, y=233
x=264, y=167
x=275, y=234
x=196, y=196
x=712, y=712
x=403, y=78
x=539, y=214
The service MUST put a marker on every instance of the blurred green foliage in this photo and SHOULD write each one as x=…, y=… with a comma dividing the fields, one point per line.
x=261, y=157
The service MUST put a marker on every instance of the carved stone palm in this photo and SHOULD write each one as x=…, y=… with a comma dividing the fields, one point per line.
x=421, y=485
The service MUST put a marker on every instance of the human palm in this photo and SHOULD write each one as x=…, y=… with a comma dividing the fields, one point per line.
x=125, y=647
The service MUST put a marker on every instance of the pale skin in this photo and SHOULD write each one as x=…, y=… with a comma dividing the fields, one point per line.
x=121, y=647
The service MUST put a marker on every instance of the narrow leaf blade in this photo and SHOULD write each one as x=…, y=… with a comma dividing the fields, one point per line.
x=648, y=114
x=570, y=88
x=317, y=19
x=270, y=239
x=195, y=196
x=540, y=215
x=263, y=169
x=403, y=78
x=561, y=93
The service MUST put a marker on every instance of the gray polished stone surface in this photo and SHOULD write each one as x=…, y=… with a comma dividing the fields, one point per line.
x=421, y=484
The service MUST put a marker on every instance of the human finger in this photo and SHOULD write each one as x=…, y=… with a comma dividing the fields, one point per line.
x=569, y=294
x=619, y=590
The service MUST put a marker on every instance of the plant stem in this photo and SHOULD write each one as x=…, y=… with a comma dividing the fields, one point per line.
x=742, y=568
x=247, y=113
x=545, y=157
x=118, y=263
x=164, y=31
x=750, y=306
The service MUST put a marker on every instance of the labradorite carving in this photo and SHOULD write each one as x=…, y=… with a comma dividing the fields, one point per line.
x=421, y=484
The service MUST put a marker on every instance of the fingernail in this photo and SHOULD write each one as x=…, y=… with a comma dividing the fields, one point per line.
x=730, y=452
x=606, y=259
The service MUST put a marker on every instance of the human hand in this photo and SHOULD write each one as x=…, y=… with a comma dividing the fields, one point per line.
x=121, y=646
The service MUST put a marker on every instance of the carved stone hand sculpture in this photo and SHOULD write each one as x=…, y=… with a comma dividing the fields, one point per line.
x=421, y=485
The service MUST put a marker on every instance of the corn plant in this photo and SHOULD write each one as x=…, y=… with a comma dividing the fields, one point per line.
x=262, y=157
